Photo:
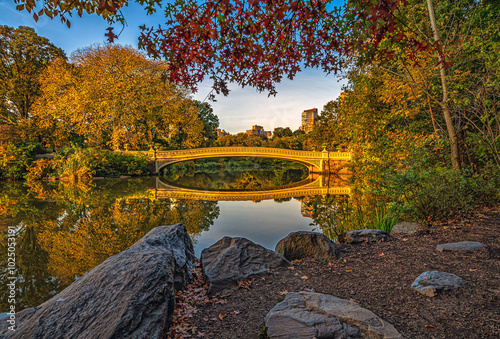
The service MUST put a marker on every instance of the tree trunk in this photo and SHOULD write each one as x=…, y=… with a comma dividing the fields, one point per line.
x=455, y=160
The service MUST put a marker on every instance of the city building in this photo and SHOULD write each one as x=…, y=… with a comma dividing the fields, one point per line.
x=309, y=120
x=221, y=133
x=258, y=130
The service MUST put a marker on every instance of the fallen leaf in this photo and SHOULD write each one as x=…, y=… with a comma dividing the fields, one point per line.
x=304, y=277
x=285, y=292
x=330, y=264
x=429, y=326
x=381, y=254
x=222, y=316
x=348, y=270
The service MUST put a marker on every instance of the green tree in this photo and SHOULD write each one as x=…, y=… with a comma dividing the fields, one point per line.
x=23, y=56
x=210, y=123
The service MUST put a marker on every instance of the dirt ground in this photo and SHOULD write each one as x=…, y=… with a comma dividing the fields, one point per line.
x=378, y=276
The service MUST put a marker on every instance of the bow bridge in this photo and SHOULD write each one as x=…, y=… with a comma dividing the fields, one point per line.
x=314, y=184
x=317, y=162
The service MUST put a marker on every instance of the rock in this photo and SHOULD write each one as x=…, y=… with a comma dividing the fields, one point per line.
x=405, y=227
x=233, y=259
x=431, y=282
x=366, y=235
x=305, y=244
x=313, y=315
x=130, y=295
x=459, y=246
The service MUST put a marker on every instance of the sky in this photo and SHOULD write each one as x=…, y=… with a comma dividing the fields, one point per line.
x=237, y=112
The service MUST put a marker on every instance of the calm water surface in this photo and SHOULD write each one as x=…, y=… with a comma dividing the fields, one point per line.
x=64, y=229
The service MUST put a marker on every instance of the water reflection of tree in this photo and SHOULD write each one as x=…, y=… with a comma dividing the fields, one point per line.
x=231, y=179
x=67, y=233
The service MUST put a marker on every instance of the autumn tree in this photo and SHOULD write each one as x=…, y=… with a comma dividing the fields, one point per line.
x=112, y=96
x=23, y=56
x=256, y=43
x=242, y=139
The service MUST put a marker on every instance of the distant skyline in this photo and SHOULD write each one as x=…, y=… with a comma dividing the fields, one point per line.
x=237, y=112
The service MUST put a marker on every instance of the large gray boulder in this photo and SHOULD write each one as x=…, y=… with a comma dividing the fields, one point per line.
x=432, y=282
x=365, y=235
x=306, y=315
x=305, y=244
x=233, y=259
x=130, y=295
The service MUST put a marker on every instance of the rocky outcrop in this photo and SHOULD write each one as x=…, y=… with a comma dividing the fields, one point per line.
x=233, y=259
x=130, y=295
x=459, y=246
x=431, y=282
x=306, y=315
x=366, y=235
x=305, y=244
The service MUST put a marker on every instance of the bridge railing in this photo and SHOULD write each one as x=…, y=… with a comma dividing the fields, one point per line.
x=250, y=150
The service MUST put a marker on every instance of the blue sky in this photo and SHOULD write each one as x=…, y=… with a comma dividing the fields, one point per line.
x=237, y=112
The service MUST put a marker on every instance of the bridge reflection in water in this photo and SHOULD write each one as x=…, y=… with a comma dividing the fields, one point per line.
x=314, y=184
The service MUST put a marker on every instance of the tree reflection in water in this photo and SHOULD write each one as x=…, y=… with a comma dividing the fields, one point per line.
x=65, y=230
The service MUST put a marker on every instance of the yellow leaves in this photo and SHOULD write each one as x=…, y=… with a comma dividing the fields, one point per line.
x=114, y=95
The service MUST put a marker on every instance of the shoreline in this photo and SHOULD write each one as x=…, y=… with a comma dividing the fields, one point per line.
x=378, y=276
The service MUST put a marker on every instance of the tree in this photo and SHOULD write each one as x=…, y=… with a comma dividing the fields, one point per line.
x=23, y=56
x=252, y=43
x=242, y=139
x=113, y=95
x=280, y=132
x=210, y=123
x=258, y=43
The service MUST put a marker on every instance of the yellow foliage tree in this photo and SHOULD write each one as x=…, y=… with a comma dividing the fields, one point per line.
x=113, y=95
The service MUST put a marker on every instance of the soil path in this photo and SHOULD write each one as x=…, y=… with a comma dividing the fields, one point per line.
x=378, y=276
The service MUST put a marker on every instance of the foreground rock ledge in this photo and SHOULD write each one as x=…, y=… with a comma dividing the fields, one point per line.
x=365, y=235
x=233, y=259
x=306, y=315
x=130, y=295
x=306, y=244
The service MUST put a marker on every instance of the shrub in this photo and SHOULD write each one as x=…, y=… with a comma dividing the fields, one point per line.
x=40, y=169
x=75, y=164
x=439, y=194
x=336, y=215
x=14, y=160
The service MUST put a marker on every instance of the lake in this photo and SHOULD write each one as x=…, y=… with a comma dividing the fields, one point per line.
x=65, y=229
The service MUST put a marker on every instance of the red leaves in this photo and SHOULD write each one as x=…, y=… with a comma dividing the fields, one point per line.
x=257, y=43
x=111, y=36
x=243, y=42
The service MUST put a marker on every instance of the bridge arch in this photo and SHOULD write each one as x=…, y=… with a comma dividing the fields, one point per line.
x=314, y=184
x=316, y=162
x=162, y=163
